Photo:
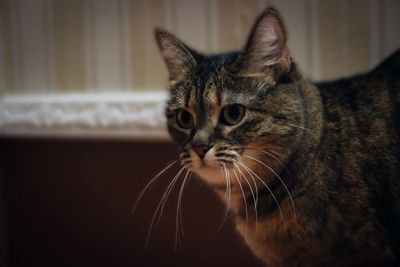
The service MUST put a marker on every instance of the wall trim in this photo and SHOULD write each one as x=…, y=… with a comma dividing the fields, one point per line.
x=86, y=115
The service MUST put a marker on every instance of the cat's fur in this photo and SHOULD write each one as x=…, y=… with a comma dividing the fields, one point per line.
x=335, y=146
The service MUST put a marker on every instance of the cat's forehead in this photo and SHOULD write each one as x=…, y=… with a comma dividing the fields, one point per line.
x=197, y=92
x=212, y=84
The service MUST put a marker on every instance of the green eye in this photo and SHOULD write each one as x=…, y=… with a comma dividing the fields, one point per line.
x=184, y=119
x=232, y=114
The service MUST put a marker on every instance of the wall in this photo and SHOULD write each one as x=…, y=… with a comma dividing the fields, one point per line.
x=107, y=45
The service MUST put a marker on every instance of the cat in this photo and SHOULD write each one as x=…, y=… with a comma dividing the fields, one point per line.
x=310, y=173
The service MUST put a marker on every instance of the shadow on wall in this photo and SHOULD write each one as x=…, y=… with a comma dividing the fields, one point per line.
x=68, y=203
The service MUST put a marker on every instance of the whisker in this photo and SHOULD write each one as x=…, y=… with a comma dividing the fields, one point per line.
x=227, y=196
x=255, y=188
x=244, y=199
x=277, y=159
x=149, y=184
x=251, y=190
x=277, y=176
x=168, y=192
x=180, y=208
x=300, y=127
x=271, y=154
x=267, y=187
x=159, y=205
x=178, y=220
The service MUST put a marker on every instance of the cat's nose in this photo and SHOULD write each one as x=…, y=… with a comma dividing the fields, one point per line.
x=201, y=150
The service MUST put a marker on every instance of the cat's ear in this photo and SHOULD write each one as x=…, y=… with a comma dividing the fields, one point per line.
x=178, y=57
x=266, y=51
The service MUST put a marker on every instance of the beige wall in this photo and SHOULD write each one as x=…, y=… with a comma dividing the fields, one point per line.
x=107, y=45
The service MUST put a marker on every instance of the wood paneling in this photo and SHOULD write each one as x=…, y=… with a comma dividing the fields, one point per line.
x=68, y=203
x=358, y=32
x=330, y=38
x=102, y=45
x=66, y=44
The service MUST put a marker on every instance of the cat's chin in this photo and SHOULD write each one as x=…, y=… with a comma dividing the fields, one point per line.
x=211, y=174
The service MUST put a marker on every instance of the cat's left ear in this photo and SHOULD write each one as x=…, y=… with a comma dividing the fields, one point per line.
x=266, y=51
x=180, y=59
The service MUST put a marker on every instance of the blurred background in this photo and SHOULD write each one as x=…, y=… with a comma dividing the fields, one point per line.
x=82, y=89
x=102, y=45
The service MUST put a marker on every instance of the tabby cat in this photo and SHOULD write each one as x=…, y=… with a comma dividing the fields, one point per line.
x=309, y=172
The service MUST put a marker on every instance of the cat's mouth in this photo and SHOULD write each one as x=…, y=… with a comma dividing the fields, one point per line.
x=214, y=166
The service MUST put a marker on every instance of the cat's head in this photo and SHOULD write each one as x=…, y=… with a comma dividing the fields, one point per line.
x=236, y=110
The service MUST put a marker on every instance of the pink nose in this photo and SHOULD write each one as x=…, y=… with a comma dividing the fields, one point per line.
x=201, y=150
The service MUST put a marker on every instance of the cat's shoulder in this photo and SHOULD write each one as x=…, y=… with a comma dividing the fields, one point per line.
x=391, y=65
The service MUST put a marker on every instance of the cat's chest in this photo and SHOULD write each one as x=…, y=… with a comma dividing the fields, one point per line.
x=286, y=244
x=277, y=242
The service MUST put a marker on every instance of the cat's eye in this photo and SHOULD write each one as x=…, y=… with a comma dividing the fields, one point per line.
x=232, y=114
x=184, y=119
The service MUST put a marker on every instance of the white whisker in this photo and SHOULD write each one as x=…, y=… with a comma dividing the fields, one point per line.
x=160, y=204
x=149, y=184
x=244, y=199
x=300, y=127
x=277, y=159
x=227, y=197
x=267, y=187
x=251, y=190
x=178, y=220
x=277, y=176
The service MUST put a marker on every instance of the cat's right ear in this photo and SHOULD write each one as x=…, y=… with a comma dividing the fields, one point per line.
x=266, y=51
x=177, y=56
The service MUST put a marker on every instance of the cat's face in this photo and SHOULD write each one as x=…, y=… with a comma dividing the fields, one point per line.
x=228, y=112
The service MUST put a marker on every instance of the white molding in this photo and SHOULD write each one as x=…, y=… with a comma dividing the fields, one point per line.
x=92, y=115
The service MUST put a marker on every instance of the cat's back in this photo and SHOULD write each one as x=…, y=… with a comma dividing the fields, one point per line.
x=389, y=68
x=366, y=104
x=363, y=112
x=384, y=78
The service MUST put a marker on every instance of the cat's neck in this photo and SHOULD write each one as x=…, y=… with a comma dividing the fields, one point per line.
x=313, y=124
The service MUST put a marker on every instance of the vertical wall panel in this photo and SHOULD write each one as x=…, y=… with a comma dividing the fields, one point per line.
x=170, y=15
x=212, y=26
x=156, y=74
x=358, y=37
x=331, y=39
x=76, y=44
x=8, y=46
x=227, y=24
x=192, y=28
x=314, y=39
x=125, y=42
x=345, y=36
x=67, y=42
x=90, y=66
x=375, y=35
x=137, y=43
x=4, y=83
x=31, y=38
x=107, y=30
x=60, y=43
x=391, y=26
x=50, y=46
